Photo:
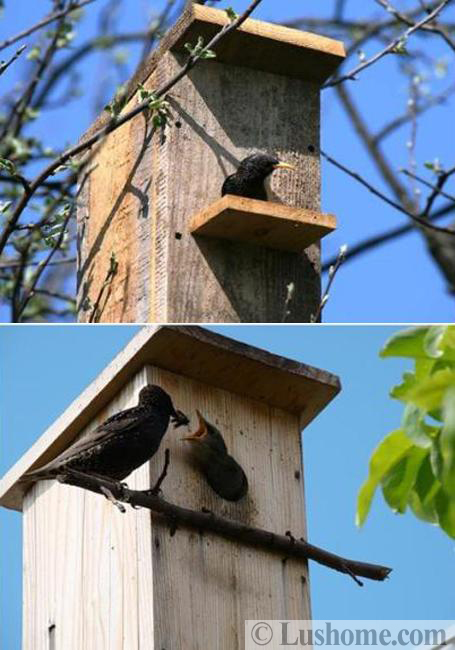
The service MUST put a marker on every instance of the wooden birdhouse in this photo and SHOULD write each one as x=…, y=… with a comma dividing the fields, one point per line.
x=97, y=578
x=153, y=199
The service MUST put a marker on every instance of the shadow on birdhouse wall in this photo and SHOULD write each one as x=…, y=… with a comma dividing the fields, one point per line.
x=248, y=261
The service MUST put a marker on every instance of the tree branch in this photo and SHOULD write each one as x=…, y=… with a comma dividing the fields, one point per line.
x=42, y=23
x=436, y=189
x=389, y=48
x=227, y=528
x=377, y=240
x=420, y=220
x=403, y=18
x=4, y=65
x=116, y=122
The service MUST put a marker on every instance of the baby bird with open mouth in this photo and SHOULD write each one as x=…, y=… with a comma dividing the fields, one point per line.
x=210, y=454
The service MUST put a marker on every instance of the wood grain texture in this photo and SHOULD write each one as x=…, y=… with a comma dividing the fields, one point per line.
x=265, y=46
x=193, y=352
x=87, y=567
x=102, y=580
x=114, y=217
x=210, y=584
x=197, y=19
x=262, y=223
x=226, y=113
x=144, y=190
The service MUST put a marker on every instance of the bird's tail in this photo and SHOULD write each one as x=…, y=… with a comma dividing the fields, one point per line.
x=42, y=474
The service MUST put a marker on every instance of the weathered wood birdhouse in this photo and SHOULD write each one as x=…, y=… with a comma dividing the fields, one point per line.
x=97, y=578
x=153, y=199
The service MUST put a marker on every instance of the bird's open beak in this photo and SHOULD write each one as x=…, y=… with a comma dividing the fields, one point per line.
x=179, y=419
x=201, y=430
x=283, y=165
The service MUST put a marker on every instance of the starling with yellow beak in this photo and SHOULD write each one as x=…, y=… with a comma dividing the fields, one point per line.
x=210, y=454
x=252, y=178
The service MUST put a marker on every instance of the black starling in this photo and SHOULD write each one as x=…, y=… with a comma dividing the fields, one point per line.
x=252, y=177
x=222, y=472
x=122, y=443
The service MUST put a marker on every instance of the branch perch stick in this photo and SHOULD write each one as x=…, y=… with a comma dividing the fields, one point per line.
x=203, y=520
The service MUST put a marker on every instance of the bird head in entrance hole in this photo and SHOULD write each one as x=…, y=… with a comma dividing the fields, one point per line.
x=210, y=455
x=252, y=178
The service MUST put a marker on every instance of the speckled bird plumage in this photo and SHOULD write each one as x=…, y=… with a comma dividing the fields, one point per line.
x=252, y=177
x=221, y=471
x=121, y=443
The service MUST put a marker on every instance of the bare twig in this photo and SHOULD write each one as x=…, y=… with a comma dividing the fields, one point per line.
x=389, y=48
x=413, y=175
x=110, y=275
x=442, y=179
x=14, y=263
x=333, y=270
x=406, y=117
x=403, y=18
x=42, y=267
x=228, y=528
x=156, y=488
x=42, y=23
x=420, y=220
x=58, y=295
x=116, y=122
x=290, y=290
x=370, y=243
x=4, y=65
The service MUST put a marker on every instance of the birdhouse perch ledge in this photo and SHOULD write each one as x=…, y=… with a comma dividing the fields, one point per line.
x=264, y=223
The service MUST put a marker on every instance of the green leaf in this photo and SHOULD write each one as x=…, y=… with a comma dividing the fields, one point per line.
x=232, y=15
x=4, y=206
x=115, y=107
x=401, y=391
x=424, y=367
x=34, y=54
x=399, y=481
x=429, y=393
x=445, y=508
x=436, y=457
x=414, y=426
x=400, y=47
x=433, y=340
x=447, y=343
x=447, y=443
x=199, y=51
x=389, y=452
x=407, y=343
x=434, y=166
x=421, y=498
x=8, y=166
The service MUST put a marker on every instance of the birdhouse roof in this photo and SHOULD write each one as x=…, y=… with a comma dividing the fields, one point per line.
x=192, y=352
x=255, y=44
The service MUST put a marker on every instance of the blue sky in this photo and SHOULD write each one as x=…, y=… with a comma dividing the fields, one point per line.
x=45, y=368
x=395, y=283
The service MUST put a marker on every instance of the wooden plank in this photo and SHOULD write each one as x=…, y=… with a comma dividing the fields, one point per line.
x=179, y=279
x=261, y=93
x=225, y=113
x=88, y=566
x=205, y=578
x=127, y=573
x=262, y=223
x=114, y=218
x=292, y=44
x=53, y=526
x=265, y=46
x=196, y=353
